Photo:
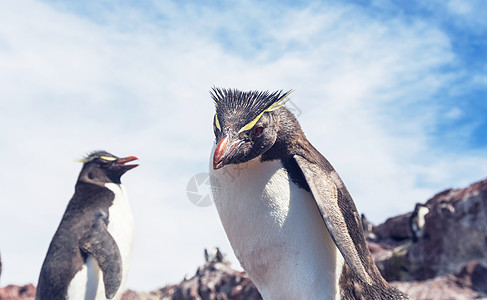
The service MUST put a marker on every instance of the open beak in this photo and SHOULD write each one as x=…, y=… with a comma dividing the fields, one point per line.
x=121, y=162
x=224, y=151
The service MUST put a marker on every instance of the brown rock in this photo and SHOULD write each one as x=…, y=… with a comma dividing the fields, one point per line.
x=455, y=232
x=14, y=292
x=215, y=281
x=154, y=295
x=395, y=229
x=474, y=276
x=439, y=288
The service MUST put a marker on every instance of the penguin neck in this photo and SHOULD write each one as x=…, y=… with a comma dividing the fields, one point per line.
x=120, y=195
x=290, y=139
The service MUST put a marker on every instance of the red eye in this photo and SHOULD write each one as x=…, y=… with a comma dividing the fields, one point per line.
x=257, y=130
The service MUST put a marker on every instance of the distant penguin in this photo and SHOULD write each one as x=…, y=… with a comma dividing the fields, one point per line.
x=447, y=208
x=417, y=221
x=207, y=256
x=368, y=228
x=89, y=255
x=219, y=255
x=215, y=256
x=365, y=224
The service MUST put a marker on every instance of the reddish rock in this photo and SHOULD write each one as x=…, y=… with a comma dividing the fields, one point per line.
x=154, y=295
x=474, y=276
x=217, y=280
x=14, y=292
x=455, y=232
x=395, y=229
x=439, y=288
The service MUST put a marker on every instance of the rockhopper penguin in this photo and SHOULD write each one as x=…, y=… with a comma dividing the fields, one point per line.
x=417, y=221
x=89, y=255
x=287, y=214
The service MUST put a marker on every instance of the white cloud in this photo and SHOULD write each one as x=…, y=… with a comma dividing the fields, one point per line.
x=135, y=85
x=459, y=7
x=454, y=113
x=465, y=15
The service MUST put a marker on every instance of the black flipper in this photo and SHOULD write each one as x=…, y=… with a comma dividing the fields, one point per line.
x=329, y=191
x=102, y=247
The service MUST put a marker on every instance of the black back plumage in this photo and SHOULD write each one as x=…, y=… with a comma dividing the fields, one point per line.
x=292, y=143
x=64, y=257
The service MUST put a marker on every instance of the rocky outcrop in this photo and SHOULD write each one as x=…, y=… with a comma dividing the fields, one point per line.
x=154, y=295
x=469, y=283
x=215, y=280
x=393, y=231
x=452, y=254
x=441, y=288
x=474, y=276
x=15, y=292
x=457, y=218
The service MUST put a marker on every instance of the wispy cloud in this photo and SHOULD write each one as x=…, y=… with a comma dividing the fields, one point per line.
x=135, y=81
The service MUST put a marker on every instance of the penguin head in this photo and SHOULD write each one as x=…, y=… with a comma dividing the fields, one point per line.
x=102, y=167
x=421, y=209
x=245, y=124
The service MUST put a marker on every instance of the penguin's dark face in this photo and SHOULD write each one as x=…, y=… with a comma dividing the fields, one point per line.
x=245, y=124
x=102, y=167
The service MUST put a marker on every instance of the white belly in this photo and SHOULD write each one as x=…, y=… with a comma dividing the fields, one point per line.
x=88, y=283
x=276, y=231
x=121, y=227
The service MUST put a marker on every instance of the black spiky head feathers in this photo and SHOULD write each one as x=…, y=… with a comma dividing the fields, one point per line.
x=241, y=110
x=100, y=154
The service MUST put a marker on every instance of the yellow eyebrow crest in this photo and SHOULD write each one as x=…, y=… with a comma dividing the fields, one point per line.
x=108, y=158
x=217, y=123
x=88, y=159
x=251, y=123
x=280, y=102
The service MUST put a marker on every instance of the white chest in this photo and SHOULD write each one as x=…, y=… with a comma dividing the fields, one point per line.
x=423, y=211
x=121, y=223
x=276, y=231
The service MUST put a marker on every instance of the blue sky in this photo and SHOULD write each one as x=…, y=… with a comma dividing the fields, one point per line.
x=392, y=93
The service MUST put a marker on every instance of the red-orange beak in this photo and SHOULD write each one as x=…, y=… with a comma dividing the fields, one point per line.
x=225, y=151
x=122, y=162
x=218, y=157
